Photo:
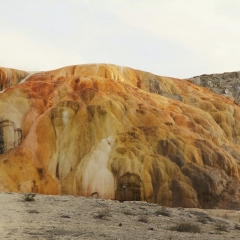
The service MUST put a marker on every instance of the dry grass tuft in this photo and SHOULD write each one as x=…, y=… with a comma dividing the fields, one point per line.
x=103, y=214
x=29, y=197
x=163, y=211
x=221, y=227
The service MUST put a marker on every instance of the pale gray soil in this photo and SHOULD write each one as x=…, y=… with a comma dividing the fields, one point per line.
x=69, y=217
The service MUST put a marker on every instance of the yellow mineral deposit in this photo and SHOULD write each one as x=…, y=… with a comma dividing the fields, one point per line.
x=121, y=133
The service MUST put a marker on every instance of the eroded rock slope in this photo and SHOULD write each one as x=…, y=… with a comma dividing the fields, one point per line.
x=10, y=77
x=122, y=134
x=226, y=84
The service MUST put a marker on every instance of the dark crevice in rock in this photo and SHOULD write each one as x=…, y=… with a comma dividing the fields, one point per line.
x=57, y=171
x=1, y=141
x=10, y=137
x=129, y=188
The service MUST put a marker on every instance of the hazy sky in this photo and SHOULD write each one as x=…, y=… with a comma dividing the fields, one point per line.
x=178, y=38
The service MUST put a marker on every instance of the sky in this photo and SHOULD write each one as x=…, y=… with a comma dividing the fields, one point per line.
x=176, y=38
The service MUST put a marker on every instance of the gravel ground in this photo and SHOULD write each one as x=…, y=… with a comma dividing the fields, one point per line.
x=70, y=217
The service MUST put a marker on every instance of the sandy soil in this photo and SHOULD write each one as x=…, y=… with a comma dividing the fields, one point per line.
x=69, y=217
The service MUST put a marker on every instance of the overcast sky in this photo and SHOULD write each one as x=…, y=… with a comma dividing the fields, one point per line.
x=178, y=38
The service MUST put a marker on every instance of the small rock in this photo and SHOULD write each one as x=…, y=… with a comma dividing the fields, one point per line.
x=150, y=228
x=120, y=224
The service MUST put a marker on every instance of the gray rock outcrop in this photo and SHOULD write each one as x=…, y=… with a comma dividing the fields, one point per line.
x=226, y=84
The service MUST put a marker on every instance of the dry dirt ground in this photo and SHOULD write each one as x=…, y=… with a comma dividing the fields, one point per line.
x=69, y=217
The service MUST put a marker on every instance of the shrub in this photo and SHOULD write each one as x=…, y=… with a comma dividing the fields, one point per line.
x=103, y=214
x=202, y=220
x=30, y=197
x=186, y=227
x=237, y=226
x=221, y=227
x=163, y=211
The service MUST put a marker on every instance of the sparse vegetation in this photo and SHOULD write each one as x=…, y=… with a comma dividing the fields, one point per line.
x=237, y=226
x=163, y=211
x=220, y=226
x=29, y=197
x=103, y=214
x=186, y=227
x=202, y=220
x=143, y=218
x=202, y=217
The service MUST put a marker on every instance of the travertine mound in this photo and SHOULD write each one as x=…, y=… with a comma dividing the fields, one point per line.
x=120, y=133
x=10, y=77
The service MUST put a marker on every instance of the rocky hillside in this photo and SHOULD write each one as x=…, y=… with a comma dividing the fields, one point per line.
x=226, y=84
x=120, y=133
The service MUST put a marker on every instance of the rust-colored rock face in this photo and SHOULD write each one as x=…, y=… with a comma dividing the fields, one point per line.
x=10, y=77
x=123, y=133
